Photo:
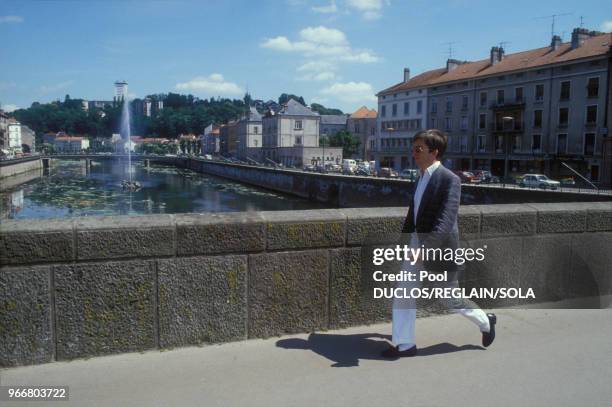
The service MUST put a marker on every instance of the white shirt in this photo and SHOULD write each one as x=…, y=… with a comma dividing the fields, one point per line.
x=422, y=185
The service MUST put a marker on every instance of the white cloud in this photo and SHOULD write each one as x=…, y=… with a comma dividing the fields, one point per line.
x=55, y=87
x=331, y=8
x=323, y=35
x=319, y=76
x=352, y=92
x=369, y=9
x=606, y=26
x=7, y=85
x=9, y=108
x=213, y=84
x=11, y=19
x=317, y=66
x=321, y=41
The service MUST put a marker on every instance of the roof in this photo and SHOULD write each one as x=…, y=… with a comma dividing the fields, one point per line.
x=364, y=113
x=339, y=119
x=69, y=138
x=594, y=46
x=254, y=115
x=294, y=108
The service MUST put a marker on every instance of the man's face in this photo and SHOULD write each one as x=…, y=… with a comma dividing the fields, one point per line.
x=423, y=157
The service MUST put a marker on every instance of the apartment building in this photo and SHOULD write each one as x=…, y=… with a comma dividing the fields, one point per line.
x=362, y=124
x=249, y=133
x=532, y=111
x=291, y=137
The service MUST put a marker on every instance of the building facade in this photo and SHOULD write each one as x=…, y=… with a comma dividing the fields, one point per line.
x=362, y=124
x=332, y=124
x=291, y=137
x=121, y=91
x=540, y=110
x=402, y=112
x=250, y=137
x=68, y=144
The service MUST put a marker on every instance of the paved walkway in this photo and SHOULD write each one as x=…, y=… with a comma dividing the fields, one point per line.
x=540, y=358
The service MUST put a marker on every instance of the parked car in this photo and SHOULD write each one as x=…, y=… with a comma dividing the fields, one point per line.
x=539, y=181
x=308, y=167
x=409, y=174
x=466, y=176
x=567, y=181
x=387, y=172
x=485, y=176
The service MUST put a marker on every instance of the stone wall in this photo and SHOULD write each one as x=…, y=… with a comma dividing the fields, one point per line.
x=16, y=166
x=352, y=191
x=94, y=286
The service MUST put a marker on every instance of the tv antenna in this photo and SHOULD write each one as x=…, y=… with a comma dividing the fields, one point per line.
x=553, y=18
x=581, y=21
x=450, y=48
x=502, y=44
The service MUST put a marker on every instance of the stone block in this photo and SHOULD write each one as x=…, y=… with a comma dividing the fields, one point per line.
x=104, y=308
x=25, y=316
x=304, y=229
x=210, y=233
x=545, y=267
x=351, y=291
x=202, y=300
x=507, y=220
x=559, y=217
x=591, y=273
x=288, y=292
x=469, y=222
x=373, y=225
x=599, y=216
x=501, y=264
x=36, y=241
x=114, y=237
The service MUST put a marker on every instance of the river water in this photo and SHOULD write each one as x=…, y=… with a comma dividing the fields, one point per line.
x=69, y=189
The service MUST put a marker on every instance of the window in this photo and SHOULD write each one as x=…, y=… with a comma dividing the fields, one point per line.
x=561, y=143
x=449, y=104
x=419, y=106
x=593, y=87
x=464, y=143
x=383, y=111
x=394, y=110
x=516, y=143
x=407, y=93
x=298, y=140
x=537, y=119
x=481, y=143
x=589, y=144
x=563, y=116
x=434, y=105
x=500, y=97
x=449, y=123
x=518, y=95
x=464, y=102
x=256, y=129
x=539, y=92
x=499, y=144
x=565, y=90
x=298, y=125
x=482, y=121
x=483, y=99
x=406, y=108
x=536, y=142
x=433, y=123
x=591, y=114
x=464, y=122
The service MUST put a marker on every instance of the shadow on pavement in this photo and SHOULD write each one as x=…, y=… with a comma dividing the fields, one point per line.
x=347, y=350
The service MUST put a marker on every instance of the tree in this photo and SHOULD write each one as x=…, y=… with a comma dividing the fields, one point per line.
x=284, y=98
x=348, y=142
x=323, y=110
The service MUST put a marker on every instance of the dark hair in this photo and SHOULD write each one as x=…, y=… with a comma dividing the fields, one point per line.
x=434, y=139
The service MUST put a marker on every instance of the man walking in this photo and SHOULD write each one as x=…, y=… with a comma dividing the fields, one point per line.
x=434, y=212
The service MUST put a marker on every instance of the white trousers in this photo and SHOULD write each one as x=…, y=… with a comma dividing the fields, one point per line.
x=404, y=310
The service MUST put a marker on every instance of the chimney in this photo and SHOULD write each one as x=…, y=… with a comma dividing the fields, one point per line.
x=406, y=74
x=497, y=54
x=555, y=43
x=578, y=37
x=452, y=64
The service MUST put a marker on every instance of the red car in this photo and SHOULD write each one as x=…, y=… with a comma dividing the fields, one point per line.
x=466, y=176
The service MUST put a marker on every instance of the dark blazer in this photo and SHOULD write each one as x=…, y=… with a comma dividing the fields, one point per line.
x=437, y=219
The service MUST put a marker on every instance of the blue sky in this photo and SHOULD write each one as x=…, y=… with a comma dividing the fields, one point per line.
x=338, y=53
